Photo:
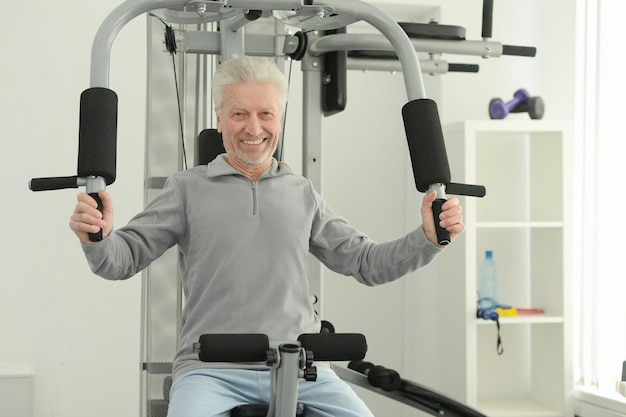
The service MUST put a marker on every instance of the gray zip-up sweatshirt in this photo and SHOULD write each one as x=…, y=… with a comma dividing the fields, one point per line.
x=243, y=251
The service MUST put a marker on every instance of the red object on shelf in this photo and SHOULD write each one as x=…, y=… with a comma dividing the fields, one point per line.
x=529, y=311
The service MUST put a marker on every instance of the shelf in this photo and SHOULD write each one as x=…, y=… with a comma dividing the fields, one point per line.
x=524, y=219
x=506, y=126
x=524, y=319
x=516, y=408
x=519, y=224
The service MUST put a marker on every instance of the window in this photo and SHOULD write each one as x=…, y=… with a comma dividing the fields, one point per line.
x=600, y=161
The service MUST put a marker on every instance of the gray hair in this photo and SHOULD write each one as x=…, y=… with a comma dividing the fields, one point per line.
x=248, y=70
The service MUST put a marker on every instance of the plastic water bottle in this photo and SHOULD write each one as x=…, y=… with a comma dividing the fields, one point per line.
x=488, y=282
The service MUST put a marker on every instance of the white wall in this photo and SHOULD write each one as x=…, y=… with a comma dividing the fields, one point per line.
x=81, y=332
x=547, y=25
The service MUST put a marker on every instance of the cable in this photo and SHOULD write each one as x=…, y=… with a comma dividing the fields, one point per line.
x=282, y=134
x=492, y=314
x=170, y=45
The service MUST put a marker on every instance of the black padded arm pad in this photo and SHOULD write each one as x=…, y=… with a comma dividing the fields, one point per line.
x=97, y=139
x=426, y=146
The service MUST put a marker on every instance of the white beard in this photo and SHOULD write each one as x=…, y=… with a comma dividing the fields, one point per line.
x=252, y=161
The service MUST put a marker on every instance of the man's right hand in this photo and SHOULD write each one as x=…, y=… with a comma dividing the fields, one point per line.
x=88, y=219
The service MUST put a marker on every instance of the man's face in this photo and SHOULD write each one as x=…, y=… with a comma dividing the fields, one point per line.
x=250, y=124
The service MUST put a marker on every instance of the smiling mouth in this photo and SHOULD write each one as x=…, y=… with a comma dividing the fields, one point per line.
x=252, y=141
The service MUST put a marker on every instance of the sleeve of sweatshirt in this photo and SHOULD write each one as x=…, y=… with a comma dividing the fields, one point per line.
x=347, y=251
x=130, y=249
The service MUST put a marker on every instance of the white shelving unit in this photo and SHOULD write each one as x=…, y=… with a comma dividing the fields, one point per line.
x=524, y=219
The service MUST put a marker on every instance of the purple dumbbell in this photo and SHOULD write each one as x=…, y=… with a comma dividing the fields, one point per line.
x=521, y=103
x=498, y=109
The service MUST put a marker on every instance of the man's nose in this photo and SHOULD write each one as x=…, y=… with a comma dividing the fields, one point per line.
x=253, y=127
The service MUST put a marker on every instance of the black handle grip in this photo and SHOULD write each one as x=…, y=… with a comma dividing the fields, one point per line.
x=96, y=237
x=52, y=183
x=487, y=18
x=443, y=236
x=463, y=67
x=466, y=189
x=530, y=51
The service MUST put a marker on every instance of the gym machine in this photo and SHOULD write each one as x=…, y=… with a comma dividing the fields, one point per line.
x=326, y=51
x=289, y=361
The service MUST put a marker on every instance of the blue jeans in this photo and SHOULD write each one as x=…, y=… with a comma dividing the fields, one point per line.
x=214, y=392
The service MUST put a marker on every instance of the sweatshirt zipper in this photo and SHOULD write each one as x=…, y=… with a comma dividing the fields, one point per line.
x=254, y=200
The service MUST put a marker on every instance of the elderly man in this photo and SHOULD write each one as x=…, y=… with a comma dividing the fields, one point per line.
x=244, y=226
